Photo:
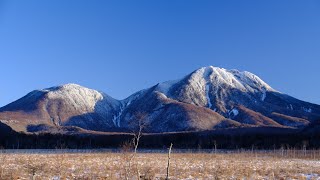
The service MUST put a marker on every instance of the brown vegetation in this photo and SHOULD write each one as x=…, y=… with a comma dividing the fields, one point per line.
x=277, y=164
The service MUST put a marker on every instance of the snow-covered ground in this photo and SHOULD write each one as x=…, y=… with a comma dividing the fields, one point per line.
x=108, y=165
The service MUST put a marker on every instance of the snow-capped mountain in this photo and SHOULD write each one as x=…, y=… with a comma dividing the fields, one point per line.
x=206, y=99
x=238, y=96
x=232, y=93
x=64, y=105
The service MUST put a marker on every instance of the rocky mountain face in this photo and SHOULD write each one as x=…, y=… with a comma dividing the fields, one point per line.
x=242, y=96
x=67, y=105
x=208, y=98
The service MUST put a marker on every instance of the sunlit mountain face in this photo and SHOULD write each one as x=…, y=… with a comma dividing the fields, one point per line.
x=207, y=99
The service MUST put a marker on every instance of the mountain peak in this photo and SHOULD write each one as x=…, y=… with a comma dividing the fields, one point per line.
x=242, y=80
x=71, y=85
x=205, y=99
x=75, y=93
x=68, y=86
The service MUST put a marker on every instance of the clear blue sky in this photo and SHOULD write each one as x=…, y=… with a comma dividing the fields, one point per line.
x=120, y=47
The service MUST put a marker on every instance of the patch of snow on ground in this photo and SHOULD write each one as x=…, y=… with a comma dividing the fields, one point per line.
x=108, y=164
x=311, y=176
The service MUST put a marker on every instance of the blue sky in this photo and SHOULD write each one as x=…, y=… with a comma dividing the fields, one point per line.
x=120, y=47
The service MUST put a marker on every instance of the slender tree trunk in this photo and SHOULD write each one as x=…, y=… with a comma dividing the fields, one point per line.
x=137, y=140
x=168, y=166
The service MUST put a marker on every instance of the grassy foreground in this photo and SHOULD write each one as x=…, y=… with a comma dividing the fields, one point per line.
x=227, y=165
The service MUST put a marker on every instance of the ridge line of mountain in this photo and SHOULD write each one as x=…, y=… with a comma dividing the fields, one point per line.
x=206, y=99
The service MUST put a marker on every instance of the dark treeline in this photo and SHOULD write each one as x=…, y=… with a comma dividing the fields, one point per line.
x=257, y=138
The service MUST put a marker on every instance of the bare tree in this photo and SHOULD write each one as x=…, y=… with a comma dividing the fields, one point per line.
x=138, y=123
x=304, y=147
x=168, y=165
x=139, y=126
x=215, y=146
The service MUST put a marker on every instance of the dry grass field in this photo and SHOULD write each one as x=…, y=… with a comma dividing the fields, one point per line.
x=108, y=165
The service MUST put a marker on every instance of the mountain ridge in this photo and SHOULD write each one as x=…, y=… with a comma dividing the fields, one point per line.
x=206, y=99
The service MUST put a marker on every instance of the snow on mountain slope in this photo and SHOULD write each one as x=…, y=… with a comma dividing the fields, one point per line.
x=82, y=99
x=68, y=104
x=207, y=98
x=162, y=114
x=207, y=81
x=224, y=91
x=218, y=89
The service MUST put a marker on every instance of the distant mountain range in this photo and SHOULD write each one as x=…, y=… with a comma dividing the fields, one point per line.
x=207, y=99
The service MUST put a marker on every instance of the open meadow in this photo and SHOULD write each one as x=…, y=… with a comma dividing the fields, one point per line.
x=81, y=164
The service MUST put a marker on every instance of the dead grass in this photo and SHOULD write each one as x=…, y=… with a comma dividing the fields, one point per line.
x=235, y=165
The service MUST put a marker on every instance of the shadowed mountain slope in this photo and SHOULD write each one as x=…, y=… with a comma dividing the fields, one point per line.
x=206, y=99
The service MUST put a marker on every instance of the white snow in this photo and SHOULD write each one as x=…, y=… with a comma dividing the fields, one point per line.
x=79, y=97
x=221, y=77
x=263, y=97
x=215, y=79
x=98, y=165
x=311, y=176
x=123, y=105
x=208, y=81
x=308, y=110
x=202, y=84
x=116, y=118
x=56, y=178
x=244, y=81
x=234, y=112
x=82, y=100
x=207, y=95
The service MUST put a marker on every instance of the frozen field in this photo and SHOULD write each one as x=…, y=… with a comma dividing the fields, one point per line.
x=113, y=165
